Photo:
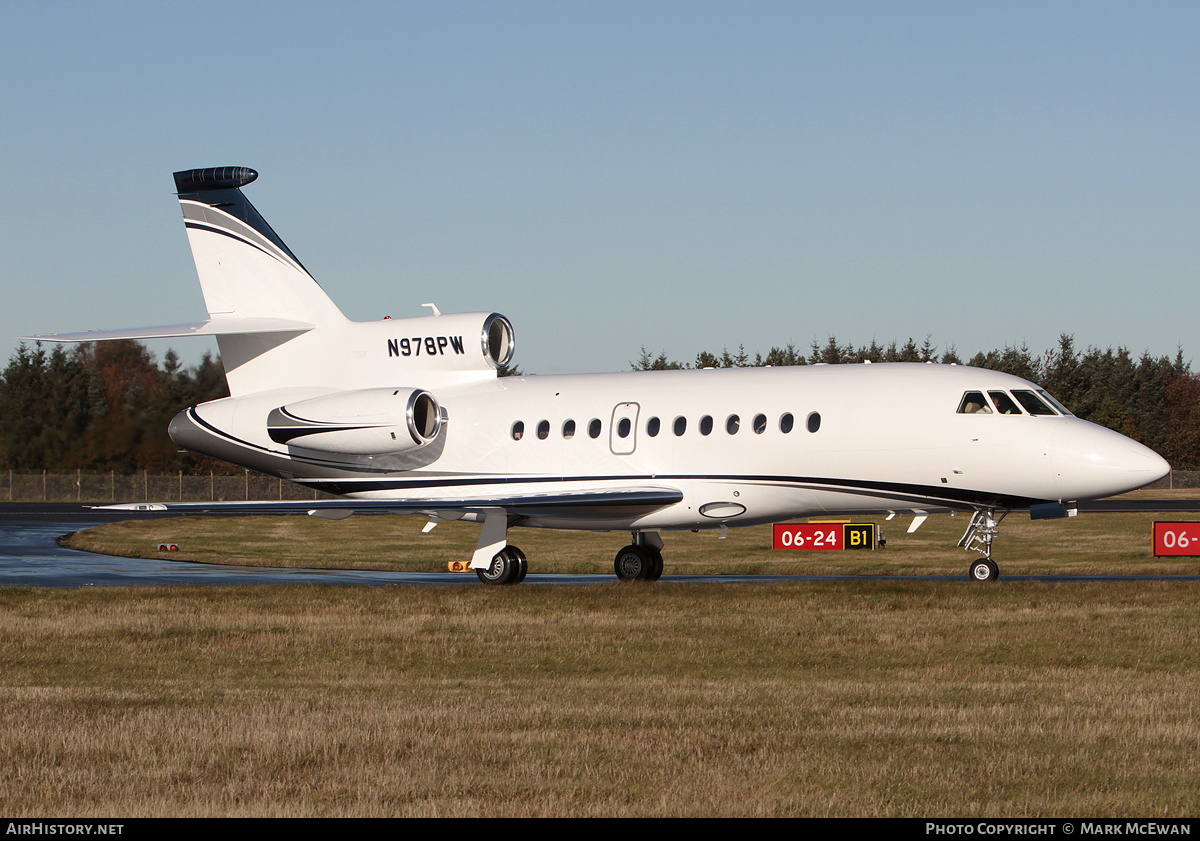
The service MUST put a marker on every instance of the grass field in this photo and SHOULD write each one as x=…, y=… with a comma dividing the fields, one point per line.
x=864, y=697
x=1088, y=544
x=851, y=698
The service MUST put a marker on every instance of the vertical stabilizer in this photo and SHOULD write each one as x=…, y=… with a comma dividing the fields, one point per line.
x=245, y=269
x=246, y=272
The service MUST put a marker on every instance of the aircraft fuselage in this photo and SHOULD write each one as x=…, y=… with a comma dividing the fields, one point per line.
x=744, y=446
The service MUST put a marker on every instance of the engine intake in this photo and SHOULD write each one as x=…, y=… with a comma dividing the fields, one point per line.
x=367, y=422
x=499, y=342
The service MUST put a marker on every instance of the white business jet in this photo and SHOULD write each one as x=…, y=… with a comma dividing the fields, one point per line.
x=411, y=416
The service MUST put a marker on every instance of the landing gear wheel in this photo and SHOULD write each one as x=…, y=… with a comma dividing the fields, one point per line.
x=656, y=557
x=508, y=567
x=984, y=569
x=637, y=563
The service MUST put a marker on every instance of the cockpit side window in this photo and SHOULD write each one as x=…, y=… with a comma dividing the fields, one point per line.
x=973, y=403
x=1004, y=403
x=1032, y=403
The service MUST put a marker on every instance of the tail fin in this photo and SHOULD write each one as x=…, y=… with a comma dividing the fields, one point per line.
x=245, y=269
x=265, y=309
x=247, y=273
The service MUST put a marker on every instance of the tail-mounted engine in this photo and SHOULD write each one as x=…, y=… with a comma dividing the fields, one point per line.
x=469, y=341
x=367, y=422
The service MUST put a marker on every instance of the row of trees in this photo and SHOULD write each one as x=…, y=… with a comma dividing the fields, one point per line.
x=1154, y=400
x=100, y=406
x=105, y=406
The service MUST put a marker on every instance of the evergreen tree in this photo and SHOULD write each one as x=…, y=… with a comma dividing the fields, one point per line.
x=779, y=357
x=44, y=410
x=99, y=406
x=1060, y=373
x=1181, y=445
x=950, y=357
x=648, y=362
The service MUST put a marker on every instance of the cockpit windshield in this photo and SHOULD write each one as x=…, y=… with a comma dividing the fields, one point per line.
x=1035, y=402
x=1050, y=399
x=1032, y=403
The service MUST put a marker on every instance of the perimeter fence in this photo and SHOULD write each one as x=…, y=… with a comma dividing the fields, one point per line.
x=214, y=487
x=149, y=487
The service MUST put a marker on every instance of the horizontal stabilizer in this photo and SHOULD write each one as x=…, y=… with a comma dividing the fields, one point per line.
x=213, y=327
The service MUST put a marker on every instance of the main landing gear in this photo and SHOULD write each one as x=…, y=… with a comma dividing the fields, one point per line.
x=638, y=563
x=641, y=560
x=978, y=537
x=508, y=567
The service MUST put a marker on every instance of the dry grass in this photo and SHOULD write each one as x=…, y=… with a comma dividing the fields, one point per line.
x=862, y=698
x=850, y=698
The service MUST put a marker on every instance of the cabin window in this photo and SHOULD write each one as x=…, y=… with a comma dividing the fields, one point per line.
x=624, y=427
x=569, y=429
x=594, y=428
x=732, y=423
x=680, y=425
x=814, y=422
x=1032, y=403
x=543, y=430
x=706, y=425
x=1004, y=403
x=974, y=403
x=518, y=430
x=785, y=422
x=760, y=424
x=652, y=427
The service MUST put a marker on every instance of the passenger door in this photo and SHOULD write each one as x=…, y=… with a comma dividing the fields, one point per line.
x=622, y=433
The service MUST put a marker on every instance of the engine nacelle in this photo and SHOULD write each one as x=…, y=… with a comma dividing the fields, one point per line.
x=468, y=341
x=367, y=422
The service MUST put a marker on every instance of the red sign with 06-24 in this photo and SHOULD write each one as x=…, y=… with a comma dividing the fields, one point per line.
x=824, y=536
x=1176, y=539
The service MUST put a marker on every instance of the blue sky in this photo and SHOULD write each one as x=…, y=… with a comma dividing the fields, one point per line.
x=684, y=176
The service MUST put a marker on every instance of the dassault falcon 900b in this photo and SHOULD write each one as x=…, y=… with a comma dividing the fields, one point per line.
x=411, y=416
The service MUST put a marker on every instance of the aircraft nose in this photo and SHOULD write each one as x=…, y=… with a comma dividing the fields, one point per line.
x=1091, y=462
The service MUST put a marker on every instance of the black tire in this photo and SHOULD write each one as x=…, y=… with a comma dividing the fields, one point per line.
x=505, y=568
x=632, y=563
x=656, y=569
x=522, y=565
x=984, y=569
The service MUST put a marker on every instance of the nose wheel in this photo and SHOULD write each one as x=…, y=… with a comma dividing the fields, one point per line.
x=984, y=569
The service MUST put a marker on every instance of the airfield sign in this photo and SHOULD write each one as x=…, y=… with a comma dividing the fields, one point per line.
x=825, y=536
x=1176, y=539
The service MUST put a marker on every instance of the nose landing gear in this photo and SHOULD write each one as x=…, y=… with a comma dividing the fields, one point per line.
x=978, y=537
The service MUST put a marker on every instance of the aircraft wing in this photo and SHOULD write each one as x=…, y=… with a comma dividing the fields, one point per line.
x=574, y=505
x=212, y=327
